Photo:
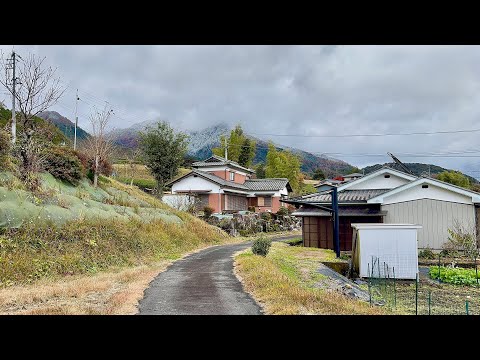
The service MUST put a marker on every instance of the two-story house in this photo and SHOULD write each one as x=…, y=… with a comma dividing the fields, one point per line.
x=225, y=185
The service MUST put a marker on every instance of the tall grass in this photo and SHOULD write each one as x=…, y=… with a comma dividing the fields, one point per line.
x=282, y=282
x=33, y=252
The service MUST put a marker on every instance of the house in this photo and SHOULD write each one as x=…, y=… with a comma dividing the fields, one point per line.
x=225, y=185
x=388, y=196
x=327, y=184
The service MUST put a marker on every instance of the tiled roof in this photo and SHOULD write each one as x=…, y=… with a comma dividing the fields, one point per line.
x=345, y=196
x=343, y=211
x=217, y=161
x=273, y=184
x=216, y=179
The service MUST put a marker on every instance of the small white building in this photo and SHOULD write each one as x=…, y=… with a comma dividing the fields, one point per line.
x=385, y=250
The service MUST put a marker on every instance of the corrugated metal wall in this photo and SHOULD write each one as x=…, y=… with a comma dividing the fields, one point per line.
x=435, y=216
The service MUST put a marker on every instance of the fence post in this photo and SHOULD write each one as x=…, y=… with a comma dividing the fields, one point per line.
x=429, y=302
x=416, y=295
x=438, y=267
x=466, y=306
x=394, y=289
x=369, y=286
x=476, y=270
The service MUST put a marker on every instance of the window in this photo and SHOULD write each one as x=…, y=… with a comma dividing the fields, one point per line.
x=267, y=201
x=232, y=176
x=386, y=176
x=264, y=201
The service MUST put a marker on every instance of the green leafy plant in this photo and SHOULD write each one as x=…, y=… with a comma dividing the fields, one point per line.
x=426, y=254
x=454, y=275
x=295, y=242
x=261, y=246
x=64, y=164
x=283, y=211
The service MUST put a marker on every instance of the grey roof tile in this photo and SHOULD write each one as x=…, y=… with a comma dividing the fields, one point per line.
x=272, y=184
x=345, y=196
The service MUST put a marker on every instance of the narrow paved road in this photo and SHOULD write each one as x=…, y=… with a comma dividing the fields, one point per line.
x=201, y=284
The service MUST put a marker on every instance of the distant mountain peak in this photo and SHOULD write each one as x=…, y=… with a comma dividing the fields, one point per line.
x=63, y=124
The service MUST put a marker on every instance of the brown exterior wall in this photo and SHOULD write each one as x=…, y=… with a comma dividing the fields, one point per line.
x=220, y=173
x=213, y=201
x=225, y=175
x=317, y=231
x=276, y=204
x=239, y=179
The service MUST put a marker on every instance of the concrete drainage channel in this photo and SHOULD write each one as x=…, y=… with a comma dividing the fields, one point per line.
x=340, y=283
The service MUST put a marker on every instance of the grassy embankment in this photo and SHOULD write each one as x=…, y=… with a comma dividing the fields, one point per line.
x=140, y=174
x=284, y=282
x=80, y=250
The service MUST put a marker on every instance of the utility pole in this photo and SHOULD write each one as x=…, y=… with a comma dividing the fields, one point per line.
x=226, y=149
x=11, y=64
x=76, y=122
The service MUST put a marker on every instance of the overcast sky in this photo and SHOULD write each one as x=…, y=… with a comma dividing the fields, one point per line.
x=300, y=90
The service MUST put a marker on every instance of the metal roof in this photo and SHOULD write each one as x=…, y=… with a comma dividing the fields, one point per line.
x=271, y=184
x=219, y=161
x=345, y=196
x=342, y=211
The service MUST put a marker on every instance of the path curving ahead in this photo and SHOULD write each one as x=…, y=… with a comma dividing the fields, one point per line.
x=201, y=284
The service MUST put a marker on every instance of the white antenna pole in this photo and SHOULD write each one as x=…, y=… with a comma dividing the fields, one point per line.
x=76, y=122
x=226, y=149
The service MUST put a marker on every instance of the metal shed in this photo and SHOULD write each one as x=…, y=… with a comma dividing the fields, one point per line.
x=378, y=250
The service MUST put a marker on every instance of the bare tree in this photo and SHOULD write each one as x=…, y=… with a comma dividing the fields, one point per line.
x=99, y=146
x=37, y=88
x=132, y=159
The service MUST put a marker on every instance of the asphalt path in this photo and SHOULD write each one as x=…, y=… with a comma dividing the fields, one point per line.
x=201, y=284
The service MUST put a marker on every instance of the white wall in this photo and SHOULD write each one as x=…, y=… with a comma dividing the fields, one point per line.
x=221, y=168
x=432, y=192
x=179, y=201
x=435, y=216
x=396, y=247
x=260, y=193
x=380, y=182
x=195, y=183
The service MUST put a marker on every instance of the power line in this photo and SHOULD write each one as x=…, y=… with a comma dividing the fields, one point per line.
x=372, y=135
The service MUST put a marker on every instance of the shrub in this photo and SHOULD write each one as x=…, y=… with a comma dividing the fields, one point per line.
x=426, y=254
x=64, y=164
x=295, y=242
x=208, y=211
x=462, y=238
x=266, y=216
x=251, y=208
x=261, y=246
x=455, y=276
x=5, y=146
x=282, y=211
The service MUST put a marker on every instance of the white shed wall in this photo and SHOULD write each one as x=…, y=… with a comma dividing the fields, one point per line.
x=432, y=192
x=436, y=217
x=380, y=182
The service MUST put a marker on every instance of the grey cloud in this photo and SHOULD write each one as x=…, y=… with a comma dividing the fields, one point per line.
x=287, y=89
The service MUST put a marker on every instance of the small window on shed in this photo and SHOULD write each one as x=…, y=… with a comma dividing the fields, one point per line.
x=424, y=186
x=386, y=176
